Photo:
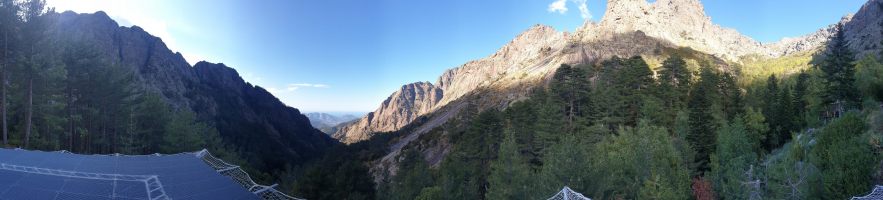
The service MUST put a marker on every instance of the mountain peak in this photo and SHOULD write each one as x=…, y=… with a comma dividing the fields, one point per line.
x=625, y=7
x=539, y=27
x=639, y=8
x=399, y=109
x=681, y=22
x=536, y=32
x=633, y=15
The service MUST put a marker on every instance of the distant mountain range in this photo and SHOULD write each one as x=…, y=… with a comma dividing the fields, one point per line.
x=328, y=123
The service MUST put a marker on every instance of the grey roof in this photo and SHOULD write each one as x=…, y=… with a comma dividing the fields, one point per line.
x=58, y=175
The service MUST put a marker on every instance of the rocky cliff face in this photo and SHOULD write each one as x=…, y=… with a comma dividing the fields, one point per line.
x=402, y=107
x=682, y=22
x=864, y=30
x=157, y=67
x=518, y=58
x=246, y=116
x=629, y=27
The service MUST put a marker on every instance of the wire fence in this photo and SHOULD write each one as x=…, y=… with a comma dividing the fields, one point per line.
x=567, y=194
x=242, y=178
x=876, y=194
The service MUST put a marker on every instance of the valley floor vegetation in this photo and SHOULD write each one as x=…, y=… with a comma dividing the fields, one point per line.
x=620, y=130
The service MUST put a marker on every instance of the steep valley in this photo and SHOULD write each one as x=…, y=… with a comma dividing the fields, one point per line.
x=257, y=126
x=422, y=117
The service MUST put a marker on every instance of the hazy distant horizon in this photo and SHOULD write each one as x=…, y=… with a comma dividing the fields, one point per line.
x=338, y=113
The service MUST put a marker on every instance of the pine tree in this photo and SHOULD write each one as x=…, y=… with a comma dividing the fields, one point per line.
x=182, y=133
x=510, y=175
x=95, y=91
x=653, y=111
x=607, y=93
x=734, y=161
x=565, y=164
x=465, y=169
x=349, y=177
x=9, y=22
x=412, y=178
x=152, y=115
x=772, y=110
x=33, y=33
x=459, y=178
x=620, y=88
x=549, y=126
x=839, y=71
x=730, y=96
x=702, y=135
x=801, y=90
x=570, y=86
x=756, y=127
x=680, y=132
x=640, y=163
x=674, y=81
x=521, y=122
x=787, y=114
x=635, y=81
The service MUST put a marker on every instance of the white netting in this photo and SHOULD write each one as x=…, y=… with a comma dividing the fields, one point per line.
x=241, y=177
x=567, y=194
x=876, y=194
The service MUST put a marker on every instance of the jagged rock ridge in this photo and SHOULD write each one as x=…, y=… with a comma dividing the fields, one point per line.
x=402, y=107
x=276, y=134
x=535, y=54
x=864, y=30
x=591, y=50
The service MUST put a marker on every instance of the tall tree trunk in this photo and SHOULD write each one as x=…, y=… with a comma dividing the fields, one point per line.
x=570, y=117
x=3, y=86
x=3, y=104
x=113, y=136
x=102, y=124
x=30, y=112
x=70, y=117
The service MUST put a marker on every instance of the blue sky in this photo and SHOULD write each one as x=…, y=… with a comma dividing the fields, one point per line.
x=349, y=55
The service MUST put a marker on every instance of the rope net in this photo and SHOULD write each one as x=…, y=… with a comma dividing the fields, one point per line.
x=242, y=178
x=567, y=194
x=876, y=194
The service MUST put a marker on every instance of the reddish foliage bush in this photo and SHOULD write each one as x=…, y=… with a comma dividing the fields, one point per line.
x=702, y=189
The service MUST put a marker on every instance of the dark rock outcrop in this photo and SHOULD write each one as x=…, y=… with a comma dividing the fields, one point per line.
x=864, y=29
x=250, y=119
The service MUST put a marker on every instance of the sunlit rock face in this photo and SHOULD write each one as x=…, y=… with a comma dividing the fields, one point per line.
x=628, y=28
x=402, y=107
